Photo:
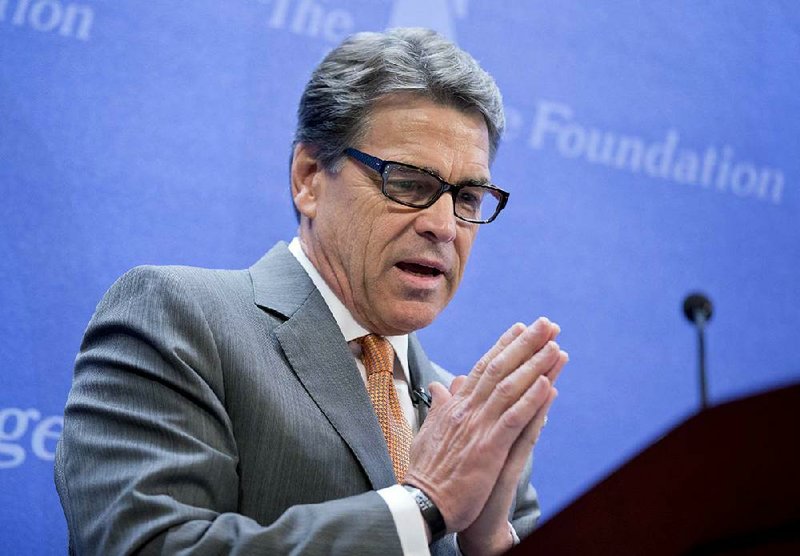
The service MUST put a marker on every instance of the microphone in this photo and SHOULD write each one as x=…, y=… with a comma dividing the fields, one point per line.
x=698, y=310
x=418, y=395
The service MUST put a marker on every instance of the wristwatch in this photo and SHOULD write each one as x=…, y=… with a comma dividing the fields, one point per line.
x=430, y=513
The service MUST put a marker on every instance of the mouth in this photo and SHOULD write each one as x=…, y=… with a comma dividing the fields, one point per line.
x=420, y=274
x=420, y=268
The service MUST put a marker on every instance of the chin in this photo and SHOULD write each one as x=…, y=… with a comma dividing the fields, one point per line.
x=413, y=316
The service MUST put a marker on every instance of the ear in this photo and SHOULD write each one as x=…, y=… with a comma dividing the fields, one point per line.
x=306, y=178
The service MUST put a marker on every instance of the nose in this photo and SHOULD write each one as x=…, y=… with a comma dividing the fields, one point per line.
x=437, y=222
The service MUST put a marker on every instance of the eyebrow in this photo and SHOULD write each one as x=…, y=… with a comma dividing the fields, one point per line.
x=468, y=181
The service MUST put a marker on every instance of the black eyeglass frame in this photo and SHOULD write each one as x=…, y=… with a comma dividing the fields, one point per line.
x=380, y=166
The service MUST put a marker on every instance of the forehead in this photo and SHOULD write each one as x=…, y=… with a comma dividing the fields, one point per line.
x=419, y=131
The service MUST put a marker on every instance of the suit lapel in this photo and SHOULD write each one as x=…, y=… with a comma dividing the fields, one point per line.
x=422, y=372
x=321, y=359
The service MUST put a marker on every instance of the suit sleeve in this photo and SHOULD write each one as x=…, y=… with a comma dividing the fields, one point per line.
x=147, y=462
x=526, y=512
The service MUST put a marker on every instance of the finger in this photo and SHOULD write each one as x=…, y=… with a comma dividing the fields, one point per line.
x=513, y=421
x=457, y=384
x=514, y=386
x=440, y=395
x=540, y=420
x=524, y=444
x=563, y=359
x=555, y=330
x=521, y=450
x=502, y=343
x=522, y=348
x=505, y=339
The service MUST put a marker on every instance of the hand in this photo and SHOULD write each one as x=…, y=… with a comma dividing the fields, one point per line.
x=489, y=533
x=460, y=456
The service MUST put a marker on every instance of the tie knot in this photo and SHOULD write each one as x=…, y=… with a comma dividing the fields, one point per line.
x=378, y=355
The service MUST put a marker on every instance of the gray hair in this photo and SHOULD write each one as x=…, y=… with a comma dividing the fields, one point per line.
x=336, y=103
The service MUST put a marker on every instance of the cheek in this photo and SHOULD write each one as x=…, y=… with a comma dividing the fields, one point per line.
x=381, y=230
x=464, y=245
x=366, y=238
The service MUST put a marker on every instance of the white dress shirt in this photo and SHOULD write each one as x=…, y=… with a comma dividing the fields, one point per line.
x=405, y=512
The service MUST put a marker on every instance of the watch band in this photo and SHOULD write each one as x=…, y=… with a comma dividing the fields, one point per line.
x=430, y=513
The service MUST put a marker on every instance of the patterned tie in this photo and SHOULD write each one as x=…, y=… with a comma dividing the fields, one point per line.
x=378, y=357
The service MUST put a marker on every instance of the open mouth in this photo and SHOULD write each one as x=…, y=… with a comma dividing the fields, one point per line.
x=418, y=269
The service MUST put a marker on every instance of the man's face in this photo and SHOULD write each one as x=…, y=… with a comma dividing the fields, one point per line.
x=396, y=267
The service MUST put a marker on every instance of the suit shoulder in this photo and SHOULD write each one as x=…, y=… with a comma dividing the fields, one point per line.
x=170, y=287
x=188, y=275
x=185, y=278
x=445, y=376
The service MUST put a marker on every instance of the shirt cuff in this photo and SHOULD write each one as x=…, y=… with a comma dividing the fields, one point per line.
x=407, y=520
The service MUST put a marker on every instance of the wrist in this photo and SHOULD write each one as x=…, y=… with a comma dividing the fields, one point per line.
x=500, y=540
x=434, y=521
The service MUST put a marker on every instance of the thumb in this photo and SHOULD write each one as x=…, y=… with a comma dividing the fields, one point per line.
x=457, y=383
x=439, y=394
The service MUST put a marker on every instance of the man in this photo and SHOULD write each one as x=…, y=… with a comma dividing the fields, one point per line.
x=226, y=411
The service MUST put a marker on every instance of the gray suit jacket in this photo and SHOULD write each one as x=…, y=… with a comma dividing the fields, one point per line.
x=221, y=412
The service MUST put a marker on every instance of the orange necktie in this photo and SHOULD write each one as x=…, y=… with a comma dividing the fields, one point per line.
x=378, y=357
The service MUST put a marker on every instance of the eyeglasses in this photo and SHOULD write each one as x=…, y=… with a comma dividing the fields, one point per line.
x=419, y=188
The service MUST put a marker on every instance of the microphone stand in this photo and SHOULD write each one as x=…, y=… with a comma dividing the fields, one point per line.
x=698, y=309
x=700, y=322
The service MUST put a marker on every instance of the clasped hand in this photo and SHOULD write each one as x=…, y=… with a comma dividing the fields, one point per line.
x=470, y=453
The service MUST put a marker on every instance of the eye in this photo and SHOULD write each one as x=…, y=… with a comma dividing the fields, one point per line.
x=410, y=185
x=471, y=197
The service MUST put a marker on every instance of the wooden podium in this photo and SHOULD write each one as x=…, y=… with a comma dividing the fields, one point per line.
x=726, y=481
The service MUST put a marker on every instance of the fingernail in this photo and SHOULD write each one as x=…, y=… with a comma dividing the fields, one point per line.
x=539, y=324
x=517, y=328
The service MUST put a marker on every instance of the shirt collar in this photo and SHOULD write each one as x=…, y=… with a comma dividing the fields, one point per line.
x=350, y=328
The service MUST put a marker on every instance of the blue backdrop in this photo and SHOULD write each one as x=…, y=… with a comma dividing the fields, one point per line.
x=651, y=150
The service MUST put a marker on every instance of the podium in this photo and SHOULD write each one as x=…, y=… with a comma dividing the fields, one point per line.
x=724, y=482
